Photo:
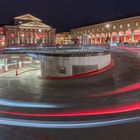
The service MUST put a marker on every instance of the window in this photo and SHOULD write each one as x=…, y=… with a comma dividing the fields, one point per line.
x=114, y=27
x=62, y=70
x=128, y=25
x=137, y=24
x=20, y=22
x=121, y=26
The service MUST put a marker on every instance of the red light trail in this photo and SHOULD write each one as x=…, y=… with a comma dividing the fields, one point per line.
x=125, y=89
x=92, y=112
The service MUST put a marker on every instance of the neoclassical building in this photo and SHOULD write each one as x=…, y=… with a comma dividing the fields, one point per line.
x=123, y=30
x=26, y=30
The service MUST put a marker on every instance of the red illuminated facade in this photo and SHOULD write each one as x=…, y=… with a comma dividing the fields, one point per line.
x=26, y=30
x=123, y=30
x=2, y=37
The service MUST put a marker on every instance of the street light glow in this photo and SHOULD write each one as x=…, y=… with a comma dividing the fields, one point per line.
x=107, y=26
x=39, y=30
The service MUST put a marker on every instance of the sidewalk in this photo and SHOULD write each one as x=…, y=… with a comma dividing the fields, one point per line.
x=21, y=70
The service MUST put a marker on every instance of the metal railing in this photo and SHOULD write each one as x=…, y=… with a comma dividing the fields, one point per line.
x=53, y=50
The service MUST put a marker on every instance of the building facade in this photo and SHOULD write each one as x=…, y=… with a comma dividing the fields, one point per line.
x=26, y=30
x=2, y=37
x=124, y=30
x=63, y=38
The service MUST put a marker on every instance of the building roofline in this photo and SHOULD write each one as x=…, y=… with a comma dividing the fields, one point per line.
x=27, y=17
x=123, y=18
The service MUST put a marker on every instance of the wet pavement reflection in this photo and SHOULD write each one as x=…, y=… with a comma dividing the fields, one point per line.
x=105, y=106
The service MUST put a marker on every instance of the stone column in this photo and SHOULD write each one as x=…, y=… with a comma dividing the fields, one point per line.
x=95, y=40
x=46, y=37
x=49, y=37
x=111, y=38
x=124, y=37
x=35, y=41
x=53, y=36
x=118, y=37
x=100, y=40
x=27, y=37
x=43, y=35
x=132, y=35
x=33, y=37
x=18, y=36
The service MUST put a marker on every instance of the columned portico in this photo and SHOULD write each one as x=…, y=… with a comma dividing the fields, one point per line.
x=29, y=30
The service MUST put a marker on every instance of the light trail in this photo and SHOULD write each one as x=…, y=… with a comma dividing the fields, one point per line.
x=136, y=50
x=68, y=124
x=125, y=89
x=98, y=111
x=20, y=104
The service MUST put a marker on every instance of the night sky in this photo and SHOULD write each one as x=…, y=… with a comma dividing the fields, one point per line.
x=67, y=14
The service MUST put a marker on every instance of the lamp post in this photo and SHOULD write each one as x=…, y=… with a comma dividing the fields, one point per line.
x=107, y=36
x=17, y=68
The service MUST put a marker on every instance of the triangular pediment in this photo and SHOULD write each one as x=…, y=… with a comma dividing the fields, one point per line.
x=27, y=17
x=36, y=24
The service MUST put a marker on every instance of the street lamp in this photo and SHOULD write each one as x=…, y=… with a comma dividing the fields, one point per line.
x=40, y=30
x=107, y=36
x=23, y=35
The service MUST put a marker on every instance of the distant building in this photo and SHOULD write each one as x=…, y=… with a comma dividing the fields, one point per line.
x=63, y=38
x=123, y=30
x=2, y=37
x=26, y=30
